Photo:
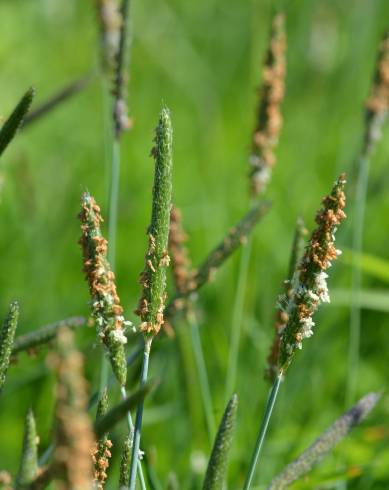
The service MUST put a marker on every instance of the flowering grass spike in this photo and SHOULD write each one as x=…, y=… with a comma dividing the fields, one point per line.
x=106, y=308
x=309, y=285
x=269, y=119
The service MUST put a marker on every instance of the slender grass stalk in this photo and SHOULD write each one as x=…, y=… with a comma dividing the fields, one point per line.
x=28, y=469
x=7, y=335
x=205, y=390
x=237, y=319
x=325, y=443
x=218, y=462
x=376, y=113
x=45, y=334
x=139, y=415
x=262, y=431
x=13, y=123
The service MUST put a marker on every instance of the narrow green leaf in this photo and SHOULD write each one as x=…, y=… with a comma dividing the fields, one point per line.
x=117, y=413
x=7, y=335
x=12, y=124
x=325, y=443
x=370, y=264
x=28, y=469
x=217, y=465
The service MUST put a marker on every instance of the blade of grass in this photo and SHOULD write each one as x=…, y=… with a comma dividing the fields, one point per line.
x=13, y=123
x=205, y=390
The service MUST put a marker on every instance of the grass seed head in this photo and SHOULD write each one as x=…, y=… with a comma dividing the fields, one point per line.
x=269, y=118
x=308, y=287
x=106, y=309
x=153, y=277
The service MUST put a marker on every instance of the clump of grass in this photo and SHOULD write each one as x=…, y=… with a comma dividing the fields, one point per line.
x=325, y=443
x=269, y=118
x=106, y=308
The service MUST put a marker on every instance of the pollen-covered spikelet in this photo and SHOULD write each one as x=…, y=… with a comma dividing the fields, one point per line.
x=281, y=316
x=378, y=102
x=308, y=285
x=269, y=118
x=72, y=464
x=106, y=308
x=101, y=454
x=153, y=278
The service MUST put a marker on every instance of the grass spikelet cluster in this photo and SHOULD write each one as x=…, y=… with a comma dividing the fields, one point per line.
x=269, y=118
x=74, y=439
x=308, y=285
x=106, y=308
x=102, y=453
x=282, y=317
x=110, y=21
x=153, y=277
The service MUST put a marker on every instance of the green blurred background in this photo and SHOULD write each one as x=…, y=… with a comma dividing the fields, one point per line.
x=203, y=59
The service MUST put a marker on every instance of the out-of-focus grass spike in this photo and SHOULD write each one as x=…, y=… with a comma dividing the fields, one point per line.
x=45, y=334
x=116, y=414
x=55, y=100
x=72, y=463
x=28, y=469
x=13, y=123
x=218, y=462
x=325, y=443
x=236, y=237
x=120, y=111
x=7, y=336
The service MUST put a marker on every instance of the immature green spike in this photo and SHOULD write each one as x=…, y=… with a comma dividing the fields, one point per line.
x=325, y=443
x=13, y=123
x=124, y=475
x=153, y=278
x=217, y=465
x=28, y=469
x=7, y=335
